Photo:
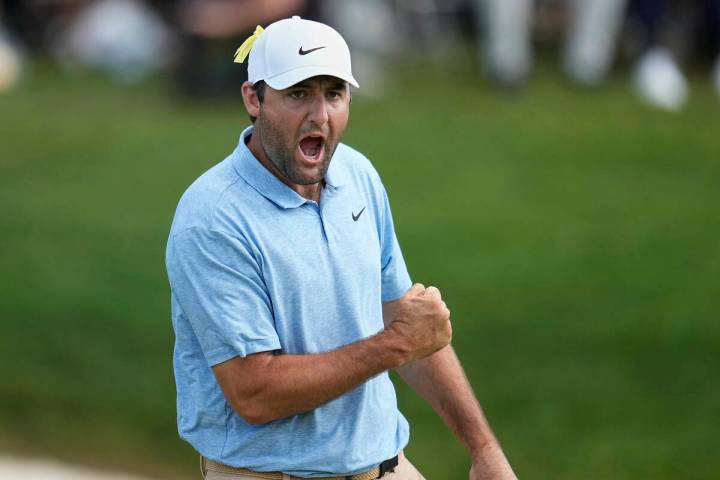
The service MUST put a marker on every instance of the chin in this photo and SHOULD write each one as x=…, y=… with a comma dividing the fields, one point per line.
x=308, y=179
x=304, y=175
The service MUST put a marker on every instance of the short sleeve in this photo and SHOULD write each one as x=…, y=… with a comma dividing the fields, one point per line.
x=395, y=277
x=218, y=284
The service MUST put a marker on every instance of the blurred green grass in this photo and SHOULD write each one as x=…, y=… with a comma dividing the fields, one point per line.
x=573, y=233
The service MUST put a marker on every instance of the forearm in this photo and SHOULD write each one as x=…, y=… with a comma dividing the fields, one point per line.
x=264, y=387
x=286, y=385
x=441, y=381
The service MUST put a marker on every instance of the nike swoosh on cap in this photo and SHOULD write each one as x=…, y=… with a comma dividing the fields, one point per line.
x=305, y=52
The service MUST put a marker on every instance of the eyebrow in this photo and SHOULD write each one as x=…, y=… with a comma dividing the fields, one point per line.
x=339, y=84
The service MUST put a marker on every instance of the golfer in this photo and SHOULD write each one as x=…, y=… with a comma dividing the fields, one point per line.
x=290, y=296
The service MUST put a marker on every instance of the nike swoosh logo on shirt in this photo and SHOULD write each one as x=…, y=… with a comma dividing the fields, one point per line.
x=355, y=217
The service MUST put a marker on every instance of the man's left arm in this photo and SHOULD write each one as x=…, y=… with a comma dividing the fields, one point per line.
x=441, y=381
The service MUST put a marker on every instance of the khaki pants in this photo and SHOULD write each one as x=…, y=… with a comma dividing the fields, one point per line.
x=404, y=471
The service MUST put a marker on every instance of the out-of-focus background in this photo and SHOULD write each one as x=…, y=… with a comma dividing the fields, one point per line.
x=553, y=166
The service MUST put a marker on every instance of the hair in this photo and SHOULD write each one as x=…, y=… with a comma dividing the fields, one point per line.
x=259, y=89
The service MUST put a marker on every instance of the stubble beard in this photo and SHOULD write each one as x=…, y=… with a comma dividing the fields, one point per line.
x=282, y=154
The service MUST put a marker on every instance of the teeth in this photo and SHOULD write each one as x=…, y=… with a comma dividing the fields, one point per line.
x=311, y=146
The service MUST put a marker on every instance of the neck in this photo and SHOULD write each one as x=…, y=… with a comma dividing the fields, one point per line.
x=311, y=192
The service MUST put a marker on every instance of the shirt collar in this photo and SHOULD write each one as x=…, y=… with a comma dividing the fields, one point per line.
x=336, y=176
x=271, y=187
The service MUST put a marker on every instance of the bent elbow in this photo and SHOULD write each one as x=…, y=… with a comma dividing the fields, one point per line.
x=256, y=418
x=252, y=412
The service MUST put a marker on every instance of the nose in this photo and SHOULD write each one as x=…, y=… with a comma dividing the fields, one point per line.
x=318, y=110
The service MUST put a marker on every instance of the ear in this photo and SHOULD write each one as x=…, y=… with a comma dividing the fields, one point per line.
x=251, y=100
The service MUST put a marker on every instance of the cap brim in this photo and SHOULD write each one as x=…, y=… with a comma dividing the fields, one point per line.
x=297, y=75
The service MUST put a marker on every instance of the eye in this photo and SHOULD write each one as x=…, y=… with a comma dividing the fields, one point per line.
x=334, y=95
x=297, y=94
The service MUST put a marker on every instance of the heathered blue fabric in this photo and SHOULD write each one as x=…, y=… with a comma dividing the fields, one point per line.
x=253, y=267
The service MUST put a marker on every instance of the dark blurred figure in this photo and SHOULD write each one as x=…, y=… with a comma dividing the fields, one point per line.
x=210, y=32
x=657, y=75
x=712, y=14
x=10, y=49
x=23, y=21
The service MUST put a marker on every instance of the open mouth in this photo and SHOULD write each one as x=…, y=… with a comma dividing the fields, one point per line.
x=311, y=147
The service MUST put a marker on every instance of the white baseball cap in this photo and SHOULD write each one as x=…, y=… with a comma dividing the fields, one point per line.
x=292, y=50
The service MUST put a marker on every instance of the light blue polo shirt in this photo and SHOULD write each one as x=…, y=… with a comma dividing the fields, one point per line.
x=254, y=267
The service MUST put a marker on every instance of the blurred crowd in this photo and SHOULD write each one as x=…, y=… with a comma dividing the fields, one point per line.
x=655, y=41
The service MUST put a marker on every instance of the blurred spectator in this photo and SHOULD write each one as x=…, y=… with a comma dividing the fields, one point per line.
x=505, y=39
x=657, y=74
x=21, y=20
x=131, y=39
x=10, y=65
x=230, y=18
x=592, y=37
x=593, y=31
x=712, y=14
x=374, y=39
x=211, y=30
x=124, y=38
x=504, y=32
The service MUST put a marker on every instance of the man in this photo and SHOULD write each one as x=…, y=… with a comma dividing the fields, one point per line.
x=290, y=296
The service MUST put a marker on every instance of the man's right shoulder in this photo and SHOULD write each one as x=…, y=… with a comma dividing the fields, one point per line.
x=201, y=201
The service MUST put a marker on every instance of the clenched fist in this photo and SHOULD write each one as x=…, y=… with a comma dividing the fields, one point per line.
x=421, y=323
